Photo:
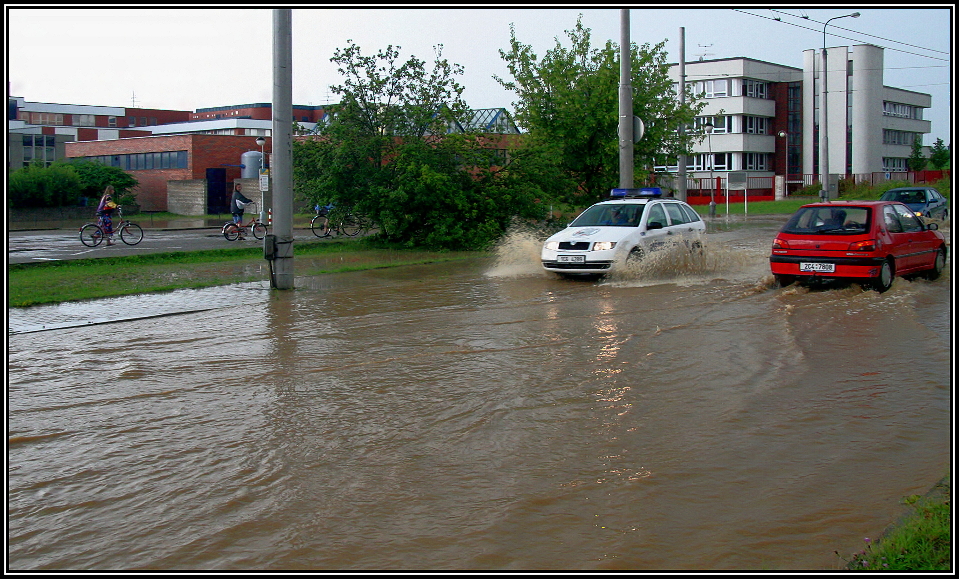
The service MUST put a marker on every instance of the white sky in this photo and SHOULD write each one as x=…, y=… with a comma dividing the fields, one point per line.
x=184, y=59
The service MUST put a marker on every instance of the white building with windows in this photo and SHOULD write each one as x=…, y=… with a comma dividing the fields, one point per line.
x=872, y=125
x=747, y=105
x=765, y=117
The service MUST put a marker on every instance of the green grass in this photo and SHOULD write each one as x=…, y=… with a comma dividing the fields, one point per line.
x=70, y=280
x=922, y=541
x=784, y=207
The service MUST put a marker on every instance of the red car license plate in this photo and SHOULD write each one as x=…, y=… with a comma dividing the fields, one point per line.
x=818, y=267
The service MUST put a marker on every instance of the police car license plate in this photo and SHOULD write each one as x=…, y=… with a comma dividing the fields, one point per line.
x=818, y=267
x=571, y=258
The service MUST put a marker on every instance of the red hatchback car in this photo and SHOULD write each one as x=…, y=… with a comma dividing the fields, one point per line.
x=870, y=242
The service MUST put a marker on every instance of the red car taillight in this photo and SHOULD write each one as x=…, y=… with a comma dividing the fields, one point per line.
x=780, y=244
x=868, y=245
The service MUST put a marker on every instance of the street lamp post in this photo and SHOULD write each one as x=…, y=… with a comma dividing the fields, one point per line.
x=785, y=180
x=261, y=141
x=823, y=115
x=708, y=127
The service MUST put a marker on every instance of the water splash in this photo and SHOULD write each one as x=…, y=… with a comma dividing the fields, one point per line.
x=678, y=263
x=518, y=253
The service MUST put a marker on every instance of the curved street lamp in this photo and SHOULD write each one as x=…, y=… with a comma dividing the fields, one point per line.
x=823, y=129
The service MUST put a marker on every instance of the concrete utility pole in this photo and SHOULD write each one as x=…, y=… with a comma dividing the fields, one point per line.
x=625, y=105
x=681, y=190
x=282, y=166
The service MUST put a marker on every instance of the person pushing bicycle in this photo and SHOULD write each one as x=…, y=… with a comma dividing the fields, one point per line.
x=237, y=204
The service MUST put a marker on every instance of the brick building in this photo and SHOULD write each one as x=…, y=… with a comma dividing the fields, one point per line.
x=155, y=160
x=38, y=132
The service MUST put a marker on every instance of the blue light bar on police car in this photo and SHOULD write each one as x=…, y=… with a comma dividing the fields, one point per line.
x=643, y=192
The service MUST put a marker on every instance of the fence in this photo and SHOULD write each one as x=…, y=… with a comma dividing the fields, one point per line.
x=702, y=190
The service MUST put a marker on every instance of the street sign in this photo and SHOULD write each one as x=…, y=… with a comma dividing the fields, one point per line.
x=264, y=181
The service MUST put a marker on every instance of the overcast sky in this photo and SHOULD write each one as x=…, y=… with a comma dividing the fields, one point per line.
x=187, y=59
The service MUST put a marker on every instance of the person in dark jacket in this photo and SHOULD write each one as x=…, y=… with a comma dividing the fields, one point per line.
x=237, y=204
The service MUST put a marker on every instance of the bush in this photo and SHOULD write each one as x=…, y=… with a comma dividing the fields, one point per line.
x=67, y=183
x=809, y=190
x=38, y=186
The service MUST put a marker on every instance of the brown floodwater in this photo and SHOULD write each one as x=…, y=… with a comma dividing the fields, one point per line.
x=479, y=415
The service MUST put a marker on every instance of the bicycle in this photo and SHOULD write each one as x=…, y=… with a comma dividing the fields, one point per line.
x=92, y=234
x=232, y=231
x=348, y=224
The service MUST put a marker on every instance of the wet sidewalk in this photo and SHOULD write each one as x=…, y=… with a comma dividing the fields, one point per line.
x=135, y=307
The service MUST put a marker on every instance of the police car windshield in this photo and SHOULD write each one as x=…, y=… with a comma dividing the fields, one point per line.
x=611, y=215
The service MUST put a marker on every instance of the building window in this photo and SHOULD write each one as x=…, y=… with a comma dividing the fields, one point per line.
x=39, y=149
x=900, y=110
x=893, y=137
x=46, y=119
x=755, y=88
x=111, y=121
x=144, y=161
x=720, y=162
x=132, y=122
x=721, y=124
x=712, y=88
x=755, y=125
x=83, y=120
x=755, y=161
x=897, y=164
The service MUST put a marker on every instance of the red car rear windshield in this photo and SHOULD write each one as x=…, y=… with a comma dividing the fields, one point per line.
x=823, y=220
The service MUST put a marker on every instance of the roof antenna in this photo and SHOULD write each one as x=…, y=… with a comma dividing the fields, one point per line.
x=133, y=100
x=705, y=53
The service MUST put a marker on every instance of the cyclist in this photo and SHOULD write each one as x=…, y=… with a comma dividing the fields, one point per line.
x=105, y=213
x=323, y=210
x=237, y=203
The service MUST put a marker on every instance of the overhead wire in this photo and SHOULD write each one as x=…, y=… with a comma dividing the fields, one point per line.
x=863, y=33
x=846, y=37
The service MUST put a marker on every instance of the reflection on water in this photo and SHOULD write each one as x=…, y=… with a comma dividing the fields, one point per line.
x=482, y=415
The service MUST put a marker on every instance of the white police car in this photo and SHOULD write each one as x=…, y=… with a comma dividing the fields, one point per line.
x=628, y=224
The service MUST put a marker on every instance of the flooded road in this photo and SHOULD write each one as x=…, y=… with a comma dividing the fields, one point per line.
x=480, y=415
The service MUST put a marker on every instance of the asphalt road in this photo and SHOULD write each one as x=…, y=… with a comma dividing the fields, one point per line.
x=57, y=244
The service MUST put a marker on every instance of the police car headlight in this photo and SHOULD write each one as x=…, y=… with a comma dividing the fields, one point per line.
x=603, y=245
x=552, y=245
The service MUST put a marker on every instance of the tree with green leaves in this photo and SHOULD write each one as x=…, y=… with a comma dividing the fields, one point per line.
x=66, y=183
x=568, y=104
x=95, y=176
x=388, y=153
x=917, y=161
x=940, y=155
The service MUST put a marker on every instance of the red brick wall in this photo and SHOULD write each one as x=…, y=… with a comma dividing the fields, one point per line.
x=162, y=117
x=87, y=134
x=203, y=152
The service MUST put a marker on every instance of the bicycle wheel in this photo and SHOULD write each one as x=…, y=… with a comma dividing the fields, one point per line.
x=131, y=233
x=350, y=226
x=259, y=230
x=320, y=226
x=231, y=232
x=91, y=235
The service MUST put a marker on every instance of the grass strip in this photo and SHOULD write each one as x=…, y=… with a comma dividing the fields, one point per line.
x=921, y=541
x=70, y=280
